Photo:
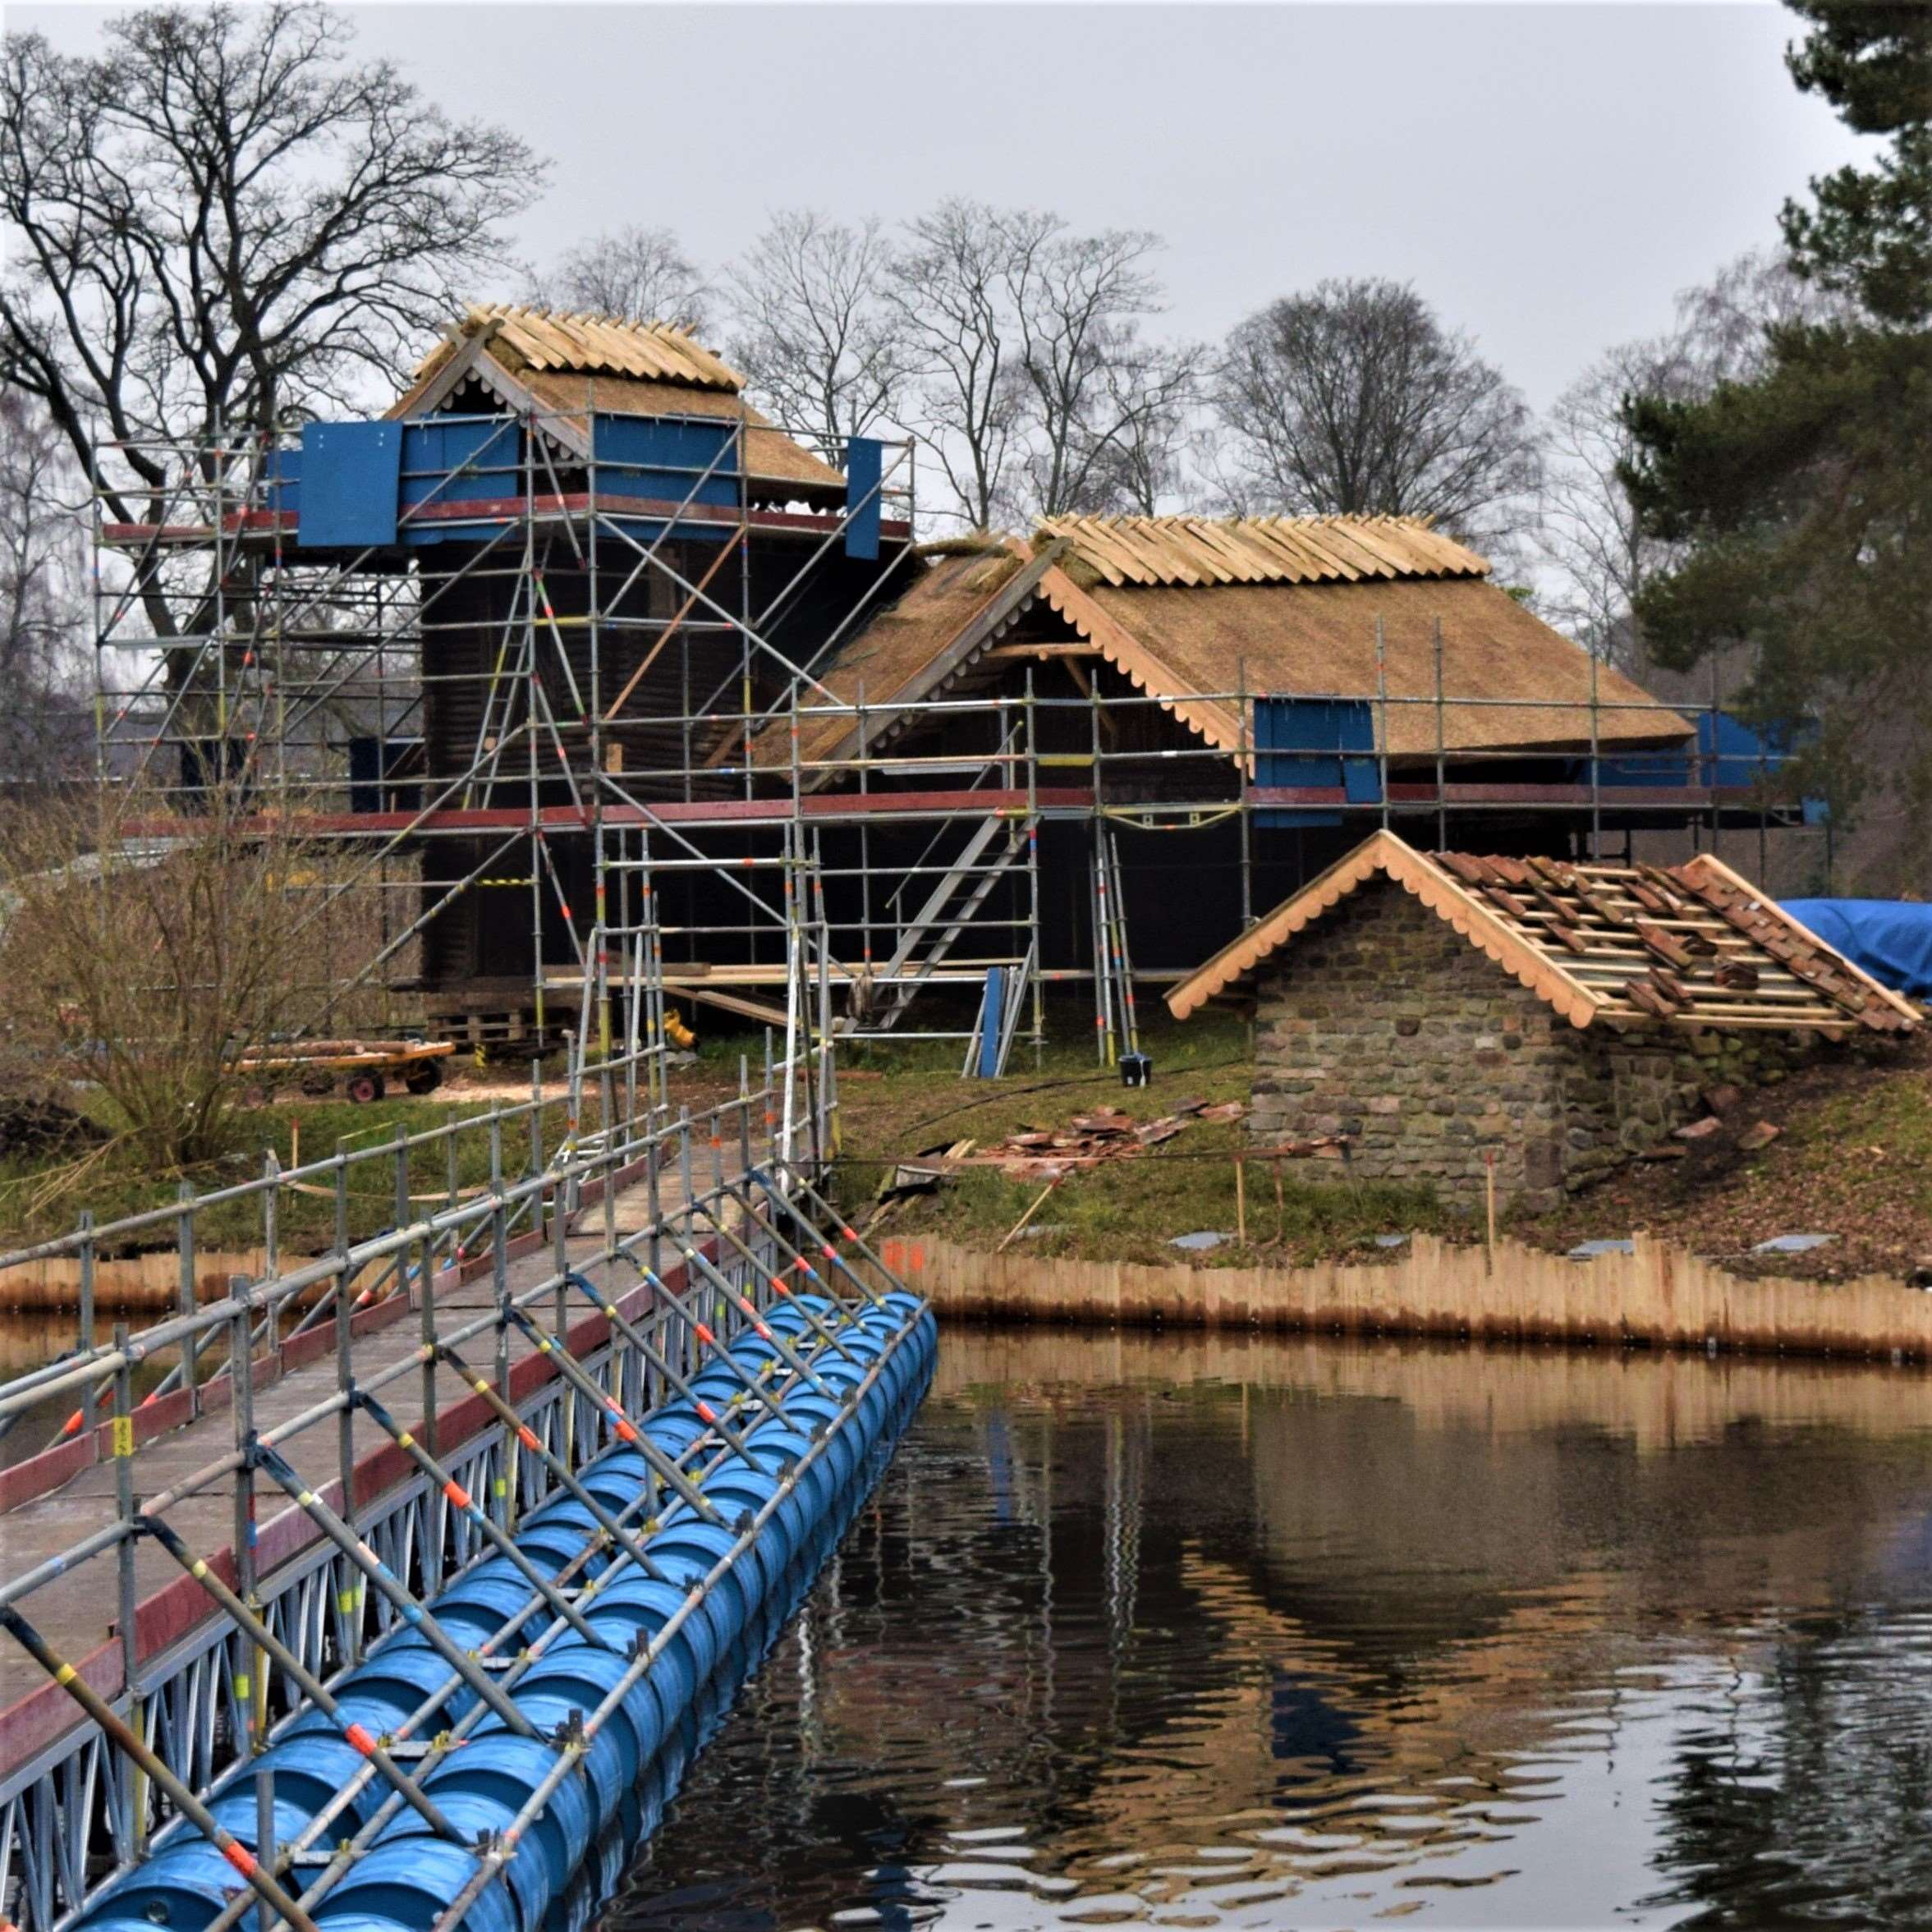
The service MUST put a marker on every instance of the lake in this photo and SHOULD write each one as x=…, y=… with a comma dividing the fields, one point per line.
x=1210, y=1631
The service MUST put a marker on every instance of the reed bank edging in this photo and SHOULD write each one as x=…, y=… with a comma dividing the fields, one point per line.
x=1658, y=1295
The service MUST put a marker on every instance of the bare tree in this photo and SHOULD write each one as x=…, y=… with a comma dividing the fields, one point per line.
x=1355, y=397
x=220, y=217
x=1121, y=450
x=1723, y=327
x=43, y=602
x=148, y=965
x=1038, y=393
x=1075, y=300
x=816, y=335
x=951, y=286
x=1589, y=536
x=634, y=274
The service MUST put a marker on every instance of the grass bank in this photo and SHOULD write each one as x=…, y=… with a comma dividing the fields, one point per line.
x=41, y=1195
x=909, y=1099
x=1853, y=1158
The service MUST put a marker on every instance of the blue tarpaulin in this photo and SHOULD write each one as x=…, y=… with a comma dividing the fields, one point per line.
x=1889, y=938
x=348, y=481
x=864, y=503
x=1729, y=754
x=1328, y=742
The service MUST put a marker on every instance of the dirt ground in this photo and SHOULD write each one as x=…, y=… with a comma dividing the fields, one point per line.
x=1852, y=1159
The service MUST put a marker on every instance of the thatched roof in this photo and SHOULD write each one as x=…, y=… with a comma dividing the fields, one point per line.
x=1692, y=946
x=1319, y=641
x=1510, y=685
x=591, y=345
x=564, y=367
x=906, y=649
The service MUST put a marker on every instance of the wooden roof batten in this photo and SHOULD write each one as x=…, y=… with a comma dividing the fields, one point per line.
x=1692, y=947
x=587, y=344
x=1197, y=551
x=558, y=368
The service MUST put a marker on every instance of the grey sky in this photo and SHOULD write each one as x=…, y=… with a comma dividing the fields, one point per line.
x=1548, y=175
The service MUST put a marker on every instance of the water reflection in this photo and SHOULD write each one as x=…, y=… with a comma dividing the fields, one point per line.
x=1205, y=1632
x=28, y=1339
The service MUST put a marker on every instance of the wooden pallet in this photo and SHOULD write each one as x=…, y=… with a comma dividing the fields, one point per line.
x=497, y=1034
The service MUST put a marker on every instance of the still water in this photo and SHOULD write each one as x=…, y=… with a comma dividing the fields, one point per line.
x=1232, y=1632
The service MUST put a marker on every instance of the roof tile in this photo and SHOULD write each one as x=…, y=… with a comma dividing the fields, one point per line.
x=1730, y=958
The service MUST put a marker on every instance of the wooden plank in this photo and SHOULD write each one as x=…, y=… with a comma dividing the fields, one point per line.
x=1222, y=542
x=1115, y=560
x=1336, y=541
x=734, y=1002
x=1319, y=564
x=1043, y=653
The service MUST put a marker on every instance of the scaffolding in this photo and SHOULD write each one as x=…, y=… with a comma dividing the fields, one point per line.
x=489, y=706
x=549, y=727
x=532, y=1302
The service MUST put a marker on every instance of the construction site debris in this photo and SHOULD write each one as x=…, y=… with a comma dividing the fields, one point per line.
x=1039, y=1201
x=1103, y=1134
x=923, y=1173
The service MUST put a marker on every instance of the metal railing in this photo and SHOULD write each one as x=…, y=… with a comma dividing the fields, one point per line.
x=612, y=1312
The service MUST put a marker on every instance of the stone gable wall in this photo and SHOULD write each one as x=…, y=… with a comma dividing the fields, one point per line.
x=1381, y=1021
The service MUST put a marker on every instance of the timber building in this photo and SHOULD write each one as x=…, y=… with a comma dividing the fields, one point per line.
x=606, y=677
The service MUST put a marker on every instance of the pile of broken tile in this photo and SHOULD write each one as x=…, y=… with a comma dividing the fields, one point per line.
x=1103, y=1134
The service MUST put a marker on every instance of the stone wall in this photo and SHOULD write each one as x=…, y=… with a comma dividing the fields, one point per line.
x=1381, y=1021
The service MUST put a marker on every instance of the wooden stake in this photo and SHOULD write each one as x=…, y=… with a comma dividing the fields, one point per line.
x=1281, y=1212
x=1660, y=1296
x=1012, y=1233
x=1490, y=1202
x=1241, y=1201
